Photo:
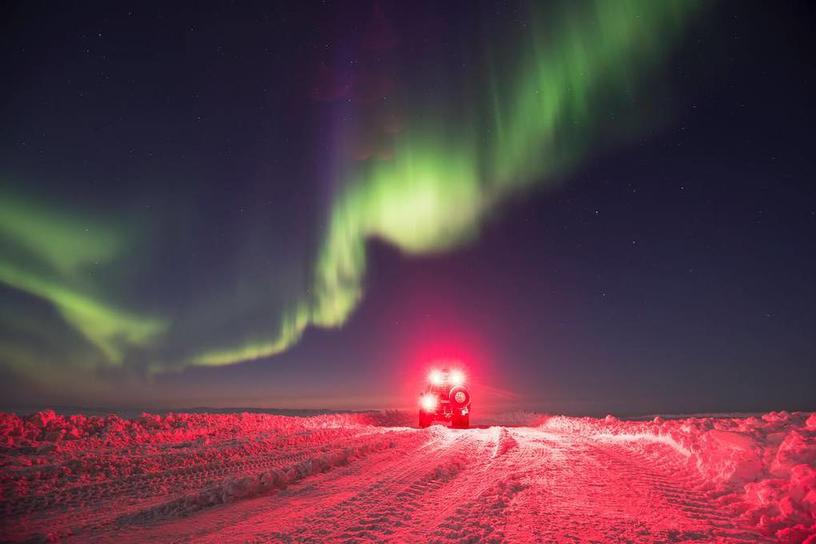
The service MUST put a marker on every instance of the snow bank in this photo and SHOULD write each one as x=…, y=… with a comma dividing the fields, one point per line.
x=764, y=467
x=45, y=451
x=48, y=430
x=167, y=466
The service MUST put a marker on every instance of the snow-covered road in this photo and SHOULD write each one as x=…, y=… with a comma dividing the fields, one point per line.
x=341, y=479
x=480, y=485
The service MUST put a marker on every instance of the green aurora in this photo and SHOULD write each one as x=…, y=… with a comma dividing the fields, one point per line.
x=448, y=175
x=526, y=121
x=49, y=255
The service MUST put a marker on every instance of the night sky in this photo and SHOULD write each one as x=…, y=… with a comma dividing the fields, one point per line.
x=594, y=206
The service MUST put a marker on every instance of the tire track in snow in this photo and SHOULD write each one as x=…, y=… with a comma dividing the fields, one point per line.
x=434, y=485
x=177, y=459
x=265, y=516
x=482, y=517
x=148, y=498
x=478, y=473
x=256, y=484
x=376, y=512
x=478, y=476
x=143, y=483
x=678, y=485
x=596, y=491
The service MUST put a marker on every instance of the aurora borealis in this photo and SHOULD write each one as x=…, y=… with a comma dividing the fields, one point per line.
x=62, y=249
x=180, y=191
x=447, y=174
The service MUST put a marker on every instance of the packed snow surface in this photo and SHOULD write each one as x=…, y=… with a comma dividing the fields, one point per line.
x=374, y=478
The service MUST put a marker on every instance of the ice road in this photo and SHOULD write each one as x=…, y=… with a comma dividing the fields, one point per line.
x=367, y=478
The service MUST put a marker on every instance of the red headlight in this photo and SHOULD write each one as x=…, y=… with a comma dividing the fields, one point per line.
x=457, y=377
x=436, y=377
x=428, y=402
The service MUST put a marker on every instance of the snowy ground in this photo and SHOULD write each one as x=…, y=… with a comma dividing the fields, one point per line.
x=366, y=478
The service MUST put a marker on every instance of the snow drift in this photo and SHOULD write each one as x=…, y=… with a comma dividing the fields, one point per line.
x=763, y=467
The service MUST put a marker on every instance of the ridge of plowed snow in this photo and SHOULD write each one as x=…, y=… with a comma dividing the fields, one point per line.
x=763, y=467
x=371, y=478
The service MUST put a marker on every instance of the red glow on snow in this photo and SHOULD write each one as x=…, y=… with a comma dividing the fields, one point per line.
x=547, y=479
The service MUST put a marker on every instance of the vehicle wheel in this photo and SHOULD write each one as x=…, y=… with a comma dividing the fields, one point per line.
x=424, y=420
x=461, y=422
